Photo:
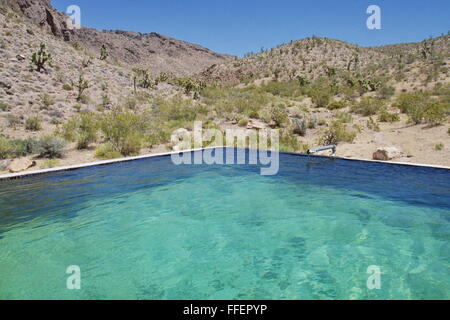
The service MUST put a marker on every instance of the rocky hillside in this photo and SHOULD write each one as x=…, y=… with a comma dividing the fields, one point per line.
x=314, y=57
x=163, y=53
x=88, y=103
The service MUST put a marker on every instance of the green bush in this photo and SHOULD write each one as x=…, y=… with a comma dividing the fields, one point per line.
x=67, y=87
x=368, y=106
x=4, y=106
x=338, y=132
x=278, y=115
x=300, y=127
x=33, y=123
x=159, y=136
x=283, y=89
x=439, y=147
x=51, y=147
x=243, y=123
x=334, y=105
x=46, y=101
x=436, y=113
x=106, y=152
x=289, y=143
x=388, y=117
x=49, y=163
x=124, y=130
x=6, y=148
x=81, y=129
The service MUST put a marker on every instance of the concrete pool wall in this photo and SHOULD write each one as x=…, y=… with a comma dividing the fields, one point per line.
x=9, y=176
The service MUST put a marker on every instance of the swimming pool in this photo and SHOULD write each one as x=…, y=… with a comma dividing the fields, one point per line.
x=148, y=229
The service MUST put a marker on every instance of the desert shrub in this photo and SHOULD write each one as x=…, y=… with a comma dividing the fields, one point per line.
x=289, y=143
x=373, y=125
x=6, y=148
x=51, y=147
x=4, y=106
x=180, y=110
x=386, y=116
x=13, y=120
x=24, y=147
x=67, y=87
x=439, y=147
x=81, y=129
x=436, y=113
x=33, y=123
x=278, y=115
x=344, y=117
x=412, y=104
x=283, y=89
x=320, y=97
x=106, y=152
x=368, y=106
x=338, y=132
x=243, y=123
x=157, y=137
x=334, y=105
x=386, y=92
x=46, y=101
x=300, y=127
x=49, y=163
x=124, y=130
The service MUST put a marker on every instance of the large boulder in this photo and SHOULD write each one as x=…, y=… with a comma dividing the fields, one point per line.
x=387, y=153
x=19, y=165
x=4, y=164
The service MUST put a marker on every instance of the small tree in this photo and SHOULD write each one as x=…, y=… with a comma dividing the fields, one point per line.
x=82, y=85
x=41, y=57
x=142, y=78
x=104, y=54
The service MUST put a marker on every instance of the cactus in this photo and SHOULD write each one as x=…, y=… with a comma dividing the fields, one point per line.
x=143, y=79
x=303, y=80
x=103, y=53
x=300, y=127
x=41, y=57
x=82, y=85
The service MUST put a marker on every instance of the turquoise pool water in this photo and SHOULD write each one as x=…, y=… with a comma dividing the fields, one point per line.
x=147, y=229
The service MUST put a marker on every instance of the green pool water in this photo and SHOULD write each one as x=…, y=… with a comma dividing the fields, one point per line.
x=151, y=230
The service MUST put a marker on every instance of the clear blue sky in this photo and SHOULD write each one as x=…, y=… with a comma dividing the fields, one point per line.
x=240, y=26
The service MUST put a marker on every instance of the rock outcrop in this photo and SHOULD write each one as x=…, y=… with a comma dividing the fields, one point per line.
x=19, y=165
x=387, y=153
x=163, y=53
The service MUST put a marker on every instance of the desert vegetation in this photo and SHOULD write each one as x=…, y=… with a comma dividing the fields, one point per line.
x=79, y=103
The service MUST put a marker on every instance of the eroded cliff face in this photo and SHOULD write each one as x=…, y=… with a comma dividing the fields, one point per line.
x=161, y=52
x=42, y=13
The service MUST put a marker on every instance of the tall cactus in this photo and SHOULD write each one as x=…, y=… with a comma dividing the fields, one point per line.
x=104, y=54
x=41, y=57
x=82, y=85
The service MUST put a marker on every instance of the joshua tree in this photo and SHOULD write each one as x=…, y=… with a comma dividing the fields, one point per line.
x=142, y=78
x=82, y=85
x=103, y=53
x=427, y=48
x=41, y=57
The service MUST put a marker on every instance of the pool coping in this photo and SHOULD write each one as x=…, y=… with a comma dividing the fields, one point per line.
x=9, y=176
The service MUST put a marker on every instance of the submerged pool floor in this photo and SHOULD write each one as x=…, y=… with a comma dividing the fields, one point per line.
x=150, y=230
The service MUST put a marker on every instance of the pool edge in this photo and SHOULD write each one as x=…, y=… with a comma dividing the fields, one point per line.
x=9, y=176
